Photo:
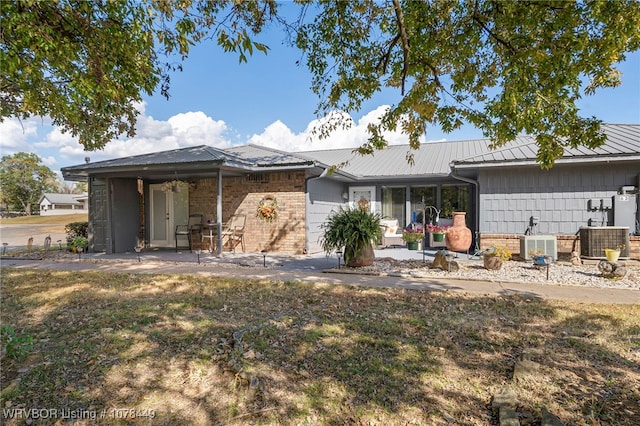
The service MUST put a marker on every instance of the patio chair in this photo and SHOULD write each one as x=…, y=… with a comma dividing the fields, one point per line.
x=233, y=231
x=391, y=233
x=193, y=226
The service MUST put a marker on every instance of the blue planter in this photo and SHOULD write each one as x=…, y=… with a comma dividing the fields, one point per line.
x=541, y=260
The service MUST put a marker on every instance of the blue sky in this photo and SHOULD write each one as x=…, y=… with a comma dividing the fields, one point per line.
x=219, y=102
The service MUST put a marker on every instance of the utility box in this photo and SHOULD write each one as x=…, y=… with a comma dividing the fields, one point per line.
x=624, y=211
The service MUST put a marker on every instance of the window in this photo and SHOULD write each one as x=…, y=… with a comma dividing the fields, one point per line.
x=455, y=198
x=393, y=204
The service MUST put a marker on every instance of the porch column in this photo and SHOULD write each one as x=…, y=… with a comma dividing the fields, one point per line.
x=219, y=213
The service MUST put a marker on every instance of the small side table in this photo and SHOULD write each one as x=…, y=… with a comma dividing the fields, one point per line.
x=212, y=236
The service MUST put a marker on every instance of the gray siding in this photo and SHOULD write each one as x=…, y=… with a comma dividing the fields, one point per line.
x=323, y=196
x=558, y=197
x=125, y=214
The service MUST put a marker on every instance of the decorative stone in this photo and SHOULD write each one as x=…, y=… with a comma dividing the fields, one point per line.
x=575, y=259
x=491, y=262
x=550, y=419
x=612, y=269
x=505, y=397
x=458, y=237
x=525, y=369
x=441, y=261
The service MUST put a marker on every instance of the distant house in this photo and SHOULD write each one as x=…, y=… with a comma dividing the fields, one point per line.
x=58, y=204
x=504, y=192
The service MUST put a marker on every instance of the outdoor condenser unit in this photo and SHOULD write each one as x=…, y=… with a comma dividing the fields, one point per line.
x=595, y=239
x=547, y=244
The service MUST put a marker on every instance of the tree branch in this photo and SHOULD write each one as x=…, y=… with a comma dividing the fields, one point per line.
x=405, y=41
x=477, y=17
x=384, y=60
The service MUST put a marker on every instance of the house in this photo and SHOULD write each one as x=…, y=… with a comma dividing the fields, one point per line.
x=58, y=204
x=504, y=192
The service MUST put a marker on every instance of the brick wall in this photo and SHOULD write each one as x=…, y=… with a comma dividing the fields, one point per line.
x=566, y=243
x=241, y=195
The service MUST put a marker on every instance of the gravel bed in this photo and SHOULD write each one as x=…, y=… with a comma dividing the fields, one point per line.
x=586, y=275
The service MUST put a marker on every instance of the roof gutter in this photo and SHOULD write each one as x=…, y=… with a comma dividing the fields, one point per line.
x=475, y=183
x=531, y=162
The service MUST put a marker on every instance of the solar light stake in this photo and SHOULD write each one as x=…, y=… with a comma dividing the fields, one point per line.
x=138, y=249
x=264, y=257
x=338, y=255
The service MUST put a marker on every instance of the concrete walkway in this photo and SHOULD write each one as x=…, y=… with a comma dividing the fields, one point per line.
x=316, y=268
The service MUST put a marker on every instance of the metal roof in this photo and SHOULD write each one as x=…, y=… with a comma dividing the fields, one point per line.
x=431, y=159
x=194, y=154
x=55, y=198
x=196, y=159
x=622, y=143
x=434, y=158
x=263, y=157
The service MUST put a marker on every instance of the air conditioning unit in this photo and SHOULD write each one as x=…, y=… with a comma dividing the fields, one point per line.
x=546, y=244
x=595, y=239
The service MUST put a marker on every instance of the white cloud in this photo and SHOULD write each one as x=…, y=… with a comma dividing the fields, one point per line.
x=15, y=134
x=279, y=136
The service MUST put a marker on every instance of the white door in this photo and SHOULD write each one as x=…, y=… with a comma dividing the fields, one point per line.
x=361, y=196
x=168, y=209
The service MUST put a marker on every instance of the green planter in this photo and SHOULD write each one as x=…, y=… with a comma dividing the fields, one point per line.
x=438, y=238
x=413, y=245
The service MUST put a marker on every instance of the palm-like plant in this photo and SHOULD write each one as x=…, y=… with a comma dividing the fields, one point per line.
x=354, y=229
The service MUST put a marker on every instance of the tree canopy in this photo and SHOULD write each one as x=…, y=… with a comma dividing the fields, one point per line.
x=23, y=180
x=504, y=67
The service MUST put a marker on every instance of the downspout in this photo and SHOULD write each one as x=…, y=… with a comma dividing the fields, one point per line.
x=475, y=183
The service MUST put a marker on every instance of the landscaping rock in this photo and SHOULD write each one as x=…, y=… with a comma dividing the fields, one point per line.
x=524, y=369
x=509, y=417
x=549, y=419
x=491, y=262
x=504, y=403
x=442, y=261
x=575, y=259
x=505, y=397
x=612, y=269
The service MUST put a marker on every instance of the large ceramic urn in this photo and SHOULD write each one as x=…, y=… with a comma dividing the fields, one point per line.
x=458, y=236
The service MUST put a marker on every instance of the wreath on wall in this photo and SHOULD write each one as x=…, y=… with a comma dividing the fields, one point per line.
x=267, y=209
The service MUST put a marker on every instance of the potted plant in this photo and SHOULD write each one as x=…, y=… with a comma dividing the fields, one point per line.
x=612, y=255
x=355, y=230
x=173, y=185
x=438, y=231
x=494, y=256
x=412, y=236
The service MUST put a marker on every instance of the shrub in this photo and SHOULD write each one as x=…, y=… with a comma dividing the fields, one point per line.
x=79, y=242
x=76, y=229
x=353, y=229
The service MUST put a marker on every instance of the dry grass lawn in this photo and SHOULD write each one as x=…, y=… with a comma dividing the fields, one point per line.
x=62, y=219
x=176, y=350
